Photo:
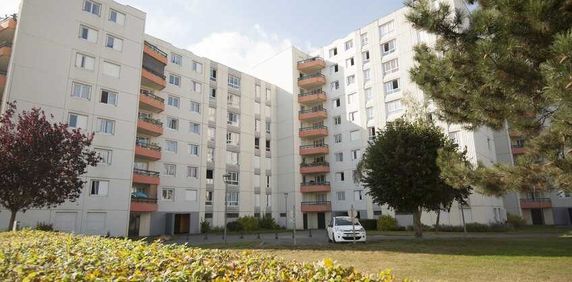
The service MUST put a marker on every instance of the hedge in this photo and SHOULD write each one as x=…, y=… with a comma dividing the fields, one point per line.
x=51, y=256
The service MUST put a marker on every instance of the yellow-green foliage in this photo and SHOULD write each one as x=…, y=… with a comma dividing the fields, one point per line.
x=48, y=256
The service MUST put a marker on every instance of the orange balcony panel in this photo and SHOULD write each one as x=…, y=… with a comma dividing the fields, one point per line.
x=313, y=150
x=316, y=206
x=312, y=82
x=152, y=80
x=151, y=104
x=155, y=54
x=313, y=115
x=318, y=132
x=146, y=153
x=312, y=98
x=5, y=52
x=7, y=29
x=541, y=203
x=315, y=169
x=311, y=188
x=311, y=65
x=146, y=179
x=143, y=206
x=146, y=127
x=518, y=150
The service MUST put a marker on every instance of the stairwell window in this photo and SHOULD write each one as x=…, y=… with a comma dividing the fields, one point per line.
x=391, y=86
x=363, y=39
x=233, y=81
x=84, y=61
x=390, y=67
x=173, y=123
x=116, y=17
x=92, y=7
x=87, y=33
x=170, y=169
x=108, y=97
x=114, y=43
x=81, y=90
x=366, y=75
x=388, y=47
x=99, y=188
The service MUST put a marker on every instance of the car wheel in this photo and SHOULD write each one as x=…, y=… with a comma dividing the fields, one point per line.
x=334, y=238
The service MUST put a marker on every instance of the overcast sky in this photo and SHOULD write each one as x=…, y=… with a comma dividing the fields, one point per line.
x=241, y=33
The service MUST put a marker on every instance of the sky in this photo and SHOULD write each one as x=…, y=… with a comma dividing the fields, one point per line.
x=242, y=33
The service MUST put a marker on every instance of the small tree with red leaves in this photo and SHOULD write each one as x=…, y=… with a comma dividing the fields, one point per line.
x=41, y=163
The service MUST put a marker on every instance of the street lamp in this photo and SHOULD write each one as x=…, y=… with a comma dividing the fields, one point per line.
x=286, y=207
x=226, y=179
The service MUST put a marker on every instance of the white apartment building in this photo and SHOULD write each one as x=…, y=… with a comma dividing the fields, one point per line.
x=169, y=124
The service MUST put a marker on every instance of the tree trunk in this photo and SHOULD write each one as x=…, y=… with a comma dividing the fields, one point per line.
x=437, y=223
x=417, y=223
x=12, y=219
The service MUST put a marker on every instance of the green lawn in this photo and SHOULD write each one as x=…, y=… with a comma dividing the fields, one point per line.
x=453, y=259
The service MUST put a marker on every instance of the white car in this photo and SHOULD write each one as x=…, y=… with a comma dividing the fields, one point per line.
x=341, y=230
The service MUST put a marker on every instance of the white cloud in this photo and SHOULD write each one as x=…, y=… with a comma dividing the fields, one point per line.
x=238, y=50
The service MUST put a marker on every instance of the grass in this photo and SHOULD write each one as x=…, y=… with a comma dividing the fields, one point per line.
x=534, y=258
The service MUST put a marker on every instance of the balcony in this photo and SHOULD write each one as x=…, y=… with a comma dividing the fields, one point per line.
x=151, y=102
x=154, y=52
x=142, y=176
x=311, y=65
x=312, y=97
x=5, y=52
x=2, y=82
x=143, y=204
x=149, y=126
x=311, y=81
x=308, y=150
x=313, y=168
x=313, y=131
x=316, y=206
x=518, y=150
x=152, y=79
x=311, y=187
x=7, y=28
x=148, y=151
x=538, y=203
x=313, y=114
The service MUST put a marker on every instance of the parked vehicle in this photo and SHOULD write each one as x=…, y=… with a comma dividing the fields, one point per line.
x=341, y=229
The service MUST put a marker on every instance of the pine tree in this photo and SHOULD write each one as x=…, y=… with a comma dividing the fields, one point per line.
x=505, y=62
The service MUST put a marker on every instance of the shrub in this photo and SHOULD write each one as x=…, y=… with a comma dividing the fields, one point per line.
x=233, y=226
x=515, y=220
x=205, y=226
x=50, y=256
x=267, y=222
x=477, y=227
x=248, y=223
x=369, y=224
x=387, y=223
x=44, y=226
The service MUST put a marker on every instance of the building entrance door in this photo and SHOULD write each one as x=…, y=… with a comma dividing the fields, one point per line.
x=134, y=220
x=321, y=220
x=305, y=220
x=536, y=215
x=182, y=223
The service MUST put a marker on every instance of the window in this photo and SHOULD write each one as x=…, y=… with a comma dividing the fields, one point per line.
x=194, y=149
x=365, y=56
x=197, y=67
x=355, y=154
x=213, y=74
x=456, y=137
x=257, y=125
x=77, y=121
x=232, y=199
x=232, y=158
x=257, y=143
x=233, y=100
x=363, y=39
x=388, y=47
x=355, y=135
x=168, y=194
x=116, y=17
x=267, y=145
x=174, y=80
x=233, y=178
x=368, y=95
x=267, y=95
x=197, y=87
x=212, y=94
x=87, y=33
x=233, y=119
x=334, y=68
x=390, y=66
x=337, y=102
x=84, y=61
x=338, y=138
x=340, y=176
x=173, y=123
x=268, y=202
x=257, y=91
x=268, y=179
x=195, y=107
x=353, y=116
x=208, y=199
x=114, y=43
x=171, y=146
x=173, y=101
x=366, y=75
x=268, y=126
x=170, y=169
x=212, y=114
x=371, y=132
x=339, y=156
x=257, y=166
x=92, y=7
x=335, y=85
x=81, y=90
x=350, y=79
x=369, y=113
x=333, y=52
x=337, y=120
x=190, y=195
x=393, y=106
x=349, y=44
x=350, y=62
x=257, y=200
x=105, y=156
x=232, y=138
x=386, y=28
x=195, y=128
x=212, y=134
x=358, y=195
x=99, y=188
x=111, y=69
x=351, y=98
x=192, y=171
x=341, y=195
x=210, y=155
x=108, y=97
x=106, y=126
x=176, y=59
x=233, y=81
x=391, y=86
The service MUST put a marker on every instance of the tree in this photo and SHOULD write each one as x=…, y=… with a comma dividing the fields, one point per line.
x=41, y=162
x=401, y=168
x=505, y=62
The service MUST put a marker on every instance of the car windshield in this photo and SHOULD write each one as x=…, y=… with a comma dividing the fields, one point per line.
x=345, y=221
